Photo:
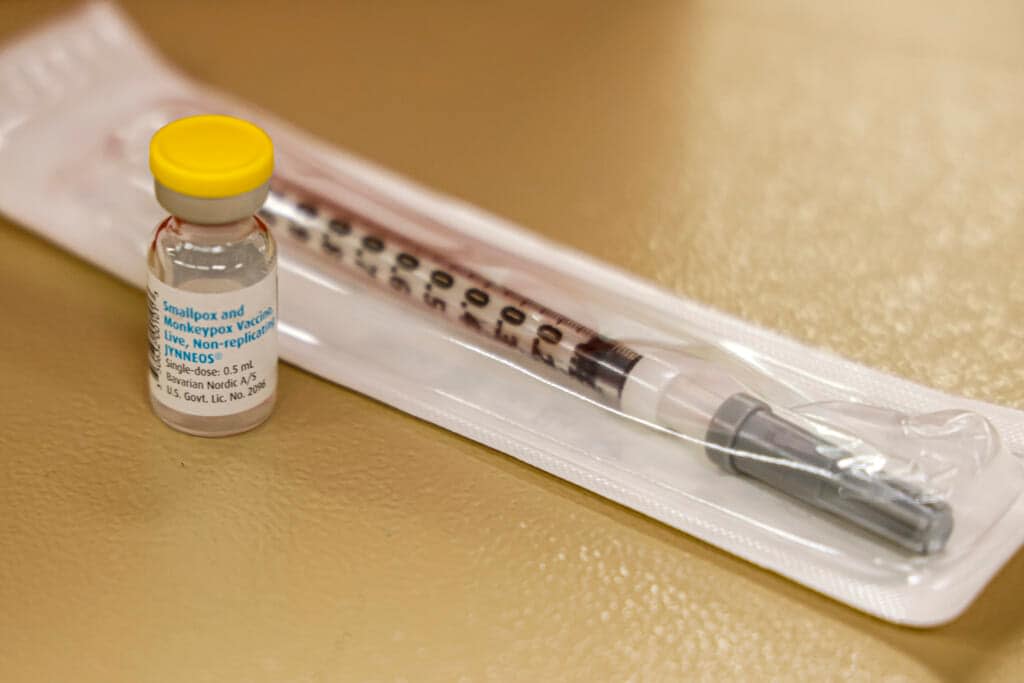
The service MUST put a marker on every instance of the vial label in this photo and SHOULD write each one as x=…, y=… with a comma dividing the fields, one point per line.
x=212, y=354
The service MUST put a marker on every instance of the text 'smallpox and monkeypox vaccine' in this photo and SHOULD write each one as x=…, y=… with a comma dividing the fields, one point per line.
x=212, y=278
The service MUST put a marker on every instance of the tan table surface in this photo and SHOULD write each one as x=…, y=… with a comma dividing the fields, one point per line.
x=848, y=175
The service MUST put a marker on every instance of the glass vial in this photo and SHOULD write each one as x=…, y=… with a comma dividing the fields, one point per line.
x=212, y=291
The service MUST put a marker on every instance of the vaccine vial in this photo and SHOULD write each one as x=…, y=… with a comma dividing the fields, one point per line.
x=212, y=288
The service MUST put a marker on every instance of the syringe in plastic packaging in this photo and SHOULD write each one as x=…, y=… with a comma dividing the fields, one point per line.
x=685, y=394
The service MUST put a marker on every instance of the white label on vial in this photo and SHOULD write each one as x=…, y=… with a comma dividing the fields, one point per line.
x=212, y=354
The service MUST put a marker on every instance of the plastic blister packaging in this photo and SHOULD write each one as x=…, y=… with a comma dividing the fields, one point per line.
x=891, y=497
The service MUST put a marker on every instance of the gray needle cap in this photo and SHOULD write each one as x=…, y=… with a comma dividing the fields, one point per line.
x=745, y=437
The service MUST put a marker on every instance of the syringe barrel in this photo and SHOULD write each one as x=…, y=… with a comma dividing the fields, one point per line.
x=425, y=278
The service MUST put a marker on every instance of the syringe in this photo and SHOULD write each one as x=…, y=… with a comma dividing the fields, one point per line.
x=684, y=394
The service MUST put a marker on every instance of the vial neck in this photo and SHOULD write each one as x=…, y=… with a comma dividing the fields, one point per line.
x=214, y=233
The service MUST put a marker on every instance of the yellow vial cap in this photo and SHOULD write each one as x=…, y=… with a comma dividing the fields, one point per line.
x=211, y=156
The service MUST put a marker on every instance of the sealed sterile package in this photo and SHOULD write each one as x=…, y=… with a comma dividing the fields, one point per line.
x=891, y=497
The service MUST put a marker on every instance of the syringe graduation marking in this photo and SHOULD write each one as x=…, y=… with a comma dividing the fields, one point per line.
x=413, y=270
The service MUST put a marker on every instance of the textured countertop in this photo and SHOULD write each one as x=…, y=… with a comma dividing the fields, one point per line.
x=847, y=175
